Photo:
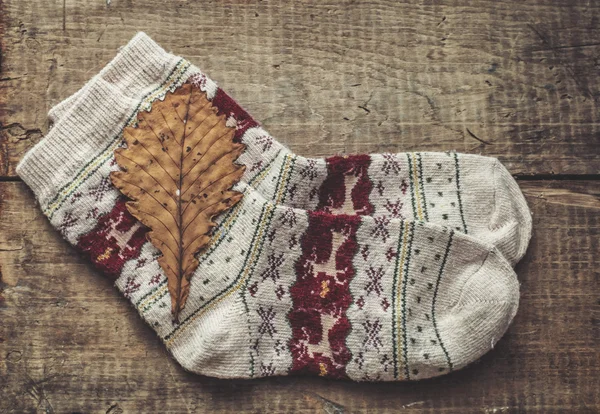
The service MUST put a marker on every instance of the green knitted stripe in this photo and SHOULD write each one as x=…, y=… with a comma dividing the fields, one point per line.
x=150, y=293
x=147, y=307
x=412, y=190
x=282, y=178
x=406, y=268
x=287, y=180
x=437, y=285
x=394, y=292
x=422, y=186
x=400, y=284
x=460, y=206
x=251, y=364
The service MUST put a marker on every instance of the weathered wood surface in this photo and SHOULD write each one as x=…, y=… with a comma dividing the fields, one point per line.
x=341, y=76
x=514, y=79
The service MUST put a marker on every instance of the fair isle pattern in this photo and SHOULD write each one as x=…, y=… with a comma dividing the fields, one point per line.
x=264, y=322
x=117, y=235
x=413, y=186
x=266, y=296
x=250, y=266
x=372, y=311
x=418, y=186
x=90, y=201
x=321, y=294
x=346, y=191
x=350, y=189
x=395, y=334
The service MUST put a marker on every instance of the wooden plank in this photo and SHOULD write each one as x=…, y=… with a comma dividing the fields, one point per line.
x=513, y=79
x=70, y=343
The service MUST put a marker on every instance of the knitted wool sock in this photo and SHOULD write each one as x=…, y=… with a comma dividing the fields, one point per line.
x=280, y=290
x=468, y=193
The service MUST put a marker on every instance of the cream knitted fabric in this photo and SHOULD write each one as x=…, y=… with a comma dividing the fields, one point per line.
x=280, y=290
x=468, y=193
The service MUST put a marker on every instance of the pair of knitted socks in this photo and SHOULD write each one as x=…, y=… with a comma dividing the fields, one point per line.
x=368, y=267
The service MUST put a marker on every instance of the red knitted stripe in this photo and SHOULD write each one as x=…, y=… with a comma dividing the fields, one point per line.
x=321, y=296
x=332, y=193
x=226, y=105
x=117, y=238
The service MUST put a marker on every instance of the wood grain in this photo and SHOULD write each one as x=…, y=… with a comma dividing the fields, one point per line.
x=513, y=79
x=71, y=342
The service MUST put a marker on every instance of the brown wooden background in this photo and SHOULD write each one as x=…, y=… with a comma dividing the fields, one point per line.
x=519, y=80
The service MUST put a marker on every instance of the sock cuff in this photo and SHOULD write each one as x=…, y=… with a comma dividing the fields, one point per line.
x=90, y=129
x=136, y=65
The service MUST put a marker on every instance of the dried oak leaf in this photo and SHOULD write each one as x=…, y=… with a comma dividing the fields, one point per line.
x=179, y=167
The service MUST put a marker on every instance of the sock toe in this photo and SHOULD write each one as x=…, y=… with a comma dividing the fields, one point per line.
x=511, y=220
x=482, y=311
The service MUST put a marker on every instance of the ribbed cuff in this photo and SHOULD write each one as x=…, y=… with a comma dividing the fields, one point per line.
x=87, y=127
x=136, y=65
